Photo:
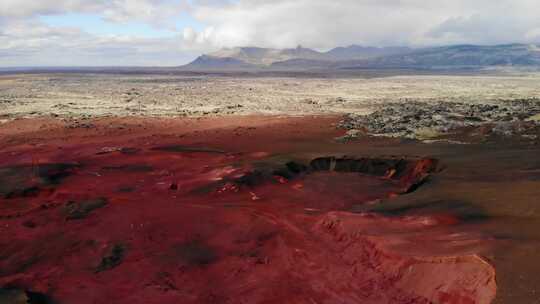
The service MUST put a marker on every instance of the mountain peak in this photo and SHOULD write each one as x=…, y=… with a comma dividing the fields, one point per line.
x=357, y=56
x=265, y=56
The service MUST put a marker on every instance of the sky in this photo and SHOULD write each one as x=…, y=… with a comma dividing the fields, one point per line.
x=174, y=32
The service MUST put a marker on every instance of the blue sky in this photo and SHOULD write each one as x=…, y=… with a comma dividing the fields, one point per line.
x=173, y=32
x=97, y=25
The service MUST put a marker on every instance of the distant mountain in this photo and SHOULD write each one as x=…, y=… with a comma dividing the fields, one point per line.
x=303, y=64
x=361, y=52
x=264, y=56
x=355, y=57
x=209, y=62
x=251, y=57
x=303, y=53
x=455, y=57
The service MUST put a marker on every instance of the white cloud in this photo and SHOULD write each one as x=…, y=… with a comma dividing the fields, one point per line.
x=325, y=24
x=156, y=12
x=153, y=12
x=533, y=34
x=29, y=8
x=189, y=34
x=32, y=43
x=26, y=40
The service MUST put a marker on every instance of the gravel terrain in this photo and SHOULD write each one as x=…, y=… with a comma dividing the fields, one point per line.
x=111, y=95
x=429, y=120
x=409, y=106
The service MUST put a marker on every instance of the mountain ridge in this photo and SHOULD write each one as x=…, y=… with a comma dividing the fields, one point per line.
x=356, y=56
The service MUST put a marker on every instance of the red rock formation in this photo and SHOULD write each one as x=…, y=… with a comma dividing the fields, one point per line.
x=182, y=223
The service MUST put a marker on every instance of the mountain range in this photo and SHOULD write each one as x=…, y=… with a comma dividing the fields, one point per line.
x=362, y=57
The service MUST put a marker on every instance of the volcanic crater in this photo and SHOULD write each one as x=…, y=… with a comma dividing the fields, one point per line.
x=163, y=222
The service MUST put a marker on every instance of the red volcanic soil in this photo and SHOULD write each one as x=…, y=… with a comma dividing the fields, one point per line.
x=223, y=210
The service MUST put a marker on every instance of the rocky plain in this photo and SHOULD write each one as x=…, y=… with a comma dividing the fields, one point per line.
x=409, y=106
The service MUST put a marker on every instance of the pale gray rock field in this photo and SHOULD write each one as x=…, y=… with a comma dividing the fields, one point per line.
x=111, y=95
x=410, y=106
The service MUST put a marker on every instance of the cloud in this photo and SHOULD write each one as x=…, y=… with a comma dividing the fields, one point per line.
x=32, y=43
x=200, y=39
x=153, y=12
x=325, y=24
x=26, y=40
x=29, y=8
x=156, y=12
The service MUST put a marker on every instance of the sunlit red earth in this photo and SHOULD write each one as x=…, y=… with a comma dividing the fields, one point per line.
x=266, y=210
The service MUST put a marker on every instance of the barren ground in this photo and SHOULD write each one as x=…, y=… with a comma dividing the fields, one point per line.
x=264, y=193
x=111, y=95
